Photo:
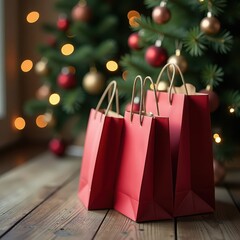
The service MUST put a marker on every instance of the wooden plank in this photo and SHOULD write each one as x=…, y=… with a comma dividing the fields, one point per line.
x=25, y=187
x=223, y=224
x=232, y=181
x=117, y=226
x=62, y=216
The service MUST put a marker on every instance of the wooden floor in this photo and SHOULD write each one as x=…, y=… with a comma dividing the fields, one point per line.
x=38, y=200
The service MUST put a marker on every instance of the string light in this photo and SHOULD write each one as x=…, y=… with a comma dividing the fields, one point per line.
x=217, y=138
x=132, y=22
x=67, y=49
x=111, y=66
x=32, y=17
x=19, y=123
x=133, y=13
x=231, y=110
x=215, y=135
x=54, y=99
x=41, y=121
x=26, y=65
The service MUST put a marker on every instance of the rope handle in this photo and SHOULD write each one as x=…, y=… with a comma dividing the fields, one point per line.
x=155, y=94
x=112, y=88
x=137, y=78
x=174, y=67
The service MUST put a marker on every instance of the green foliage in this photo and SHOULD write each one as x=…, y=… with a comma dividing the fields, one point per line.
x=34, y=107
x=212, y=75
x=232, y=99
x=215, y=6
x=195, y=42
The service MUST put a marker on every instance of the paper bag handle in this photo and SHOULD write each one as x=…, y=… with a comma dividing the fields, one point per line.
x=155, y=94
x=137, y=78
x=112, y=87
x=174, y=66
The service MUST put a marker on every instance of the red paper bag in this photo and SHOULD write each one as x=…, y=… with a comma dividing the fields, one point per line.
x=100, y=157
x=191, y=147
x=144, y=186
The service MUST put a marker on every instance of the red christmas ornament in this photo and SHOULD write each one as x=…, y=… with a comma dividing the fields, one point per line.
x=57, y=146
x=81, y=12
x=62, y=23
x=133, y=41
x=136, y=105
x=52, y=41
x=161, y=14
x=156, y=56
x=66, y=80
x=213, y=99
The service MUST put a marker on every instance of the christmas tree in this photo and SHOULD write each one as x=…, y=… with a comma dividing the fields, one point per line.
x=79, y=58
x=201, y=37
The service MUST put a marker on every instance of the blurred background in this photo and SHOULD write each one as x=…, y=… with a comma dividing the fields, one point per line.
x=56, y=58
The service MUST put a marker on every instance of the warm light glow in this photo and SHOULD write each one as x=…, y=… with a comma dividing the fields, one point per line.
x=231, y=110
x=26, y=65
x=132, y=22
x=124, y=75
x=67, y=49
x=54, y=99
x=41, y=122
x=133, y=13
x=112, y=66
x=19, y=123
x=32, y=17
x=215, y=135
x=218, y=140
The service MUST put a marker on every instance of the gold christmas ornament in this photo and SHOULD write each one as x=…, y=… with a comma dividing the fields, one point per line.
x=94, y=82
x=179, y=60
x=162, y=86
x=210, y=25
x=41, y=68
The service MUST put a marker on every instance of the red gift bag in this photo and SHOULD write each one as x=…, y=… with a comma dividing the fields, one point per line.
x=100, y=157
x=144, y=186
x=191, y=147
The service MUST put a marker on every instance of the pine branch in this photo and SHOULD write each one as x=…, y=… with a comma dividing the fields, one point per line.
x=216, y=6
x=232, y=99
x=152, y=30
x=195, y=42
x=105, y=50
x=71, y=101
x=35, y=107
x=222, y=43
x=212, y=75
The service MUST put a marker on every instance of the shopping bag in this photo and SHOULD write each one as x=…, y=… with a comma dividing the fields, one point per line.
x=100, y=157
x=191, y=146
x=144, y=185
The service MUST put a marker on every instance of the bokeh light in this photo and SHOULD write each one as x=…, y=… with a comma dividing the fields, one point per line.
x=26, y=65
x=67, y=49
x=19, y=123
x=54, y=99
x=32, y=17
x=41, y=121
x=111, y=66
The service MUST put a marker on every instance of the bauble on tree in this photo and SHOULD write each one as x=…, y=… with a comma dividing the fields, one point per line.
x=156, y=56
x=66, y=79
x=213, y=99
x=94, y=82
x=133, y=41
x=81, y=12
